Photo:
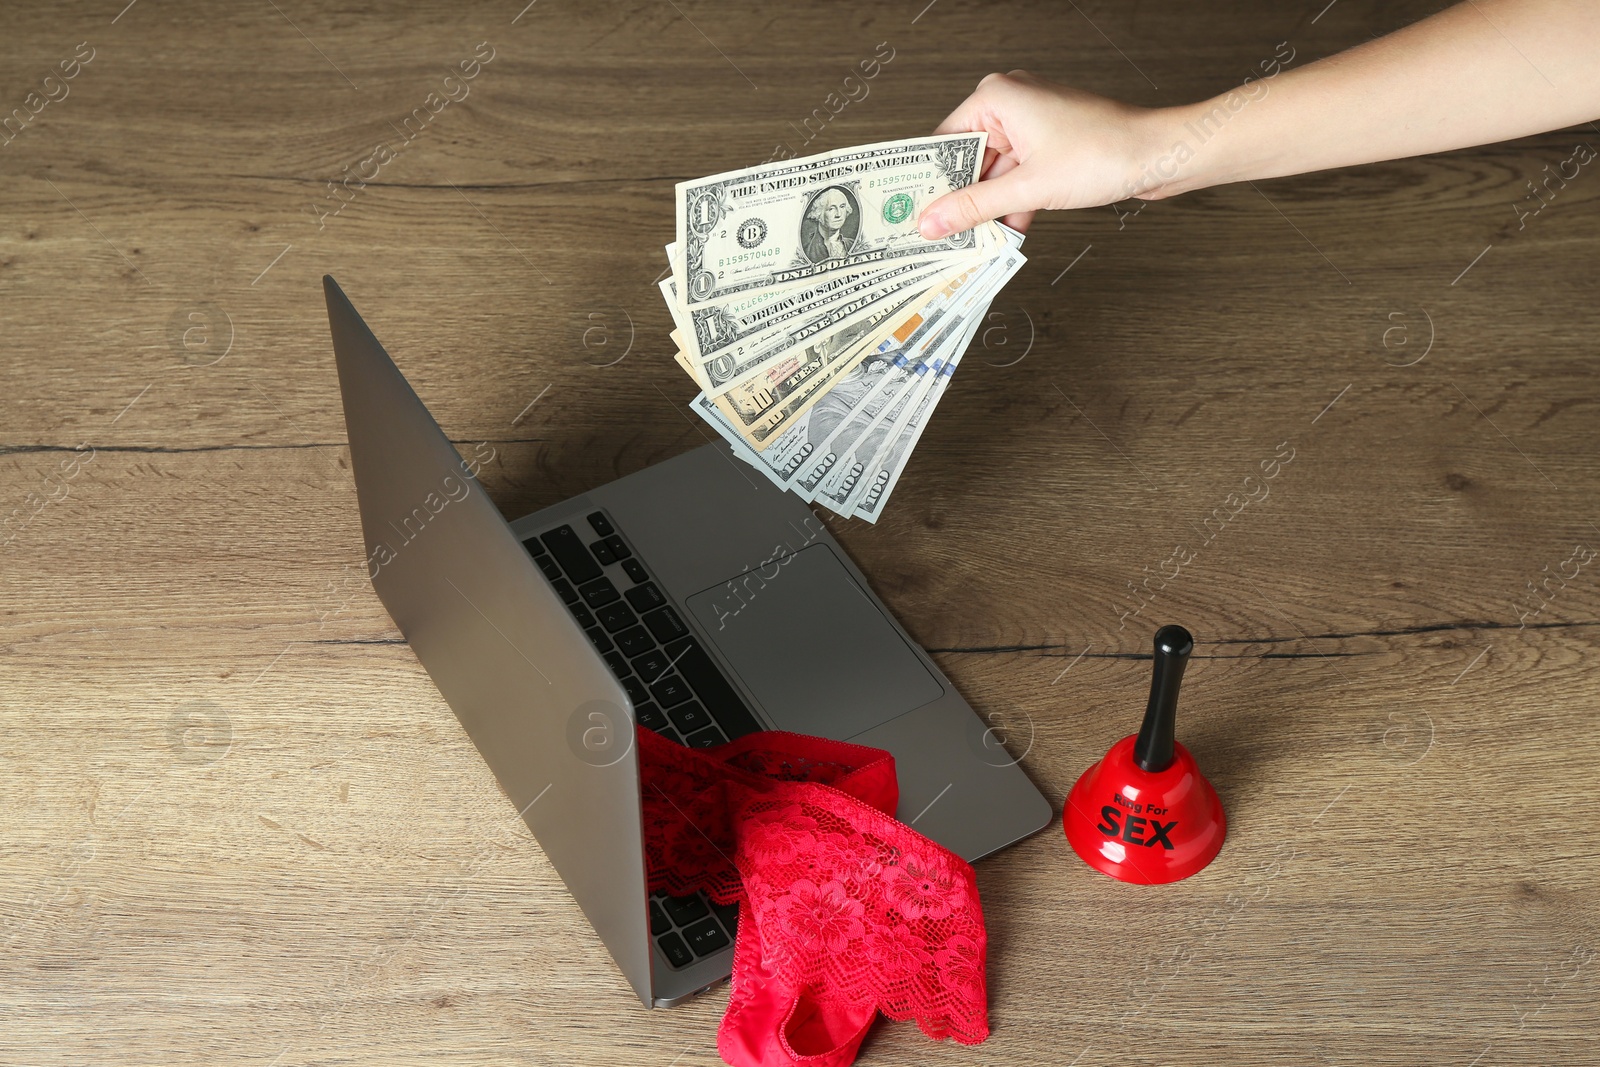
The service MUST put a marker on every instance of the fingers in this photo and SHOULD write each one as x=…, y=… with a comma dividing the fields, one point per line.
x=999, y=165
x=977, y=110
x=965, y=208
x=1002, y=193
x=1019, y=220
x=964, y=119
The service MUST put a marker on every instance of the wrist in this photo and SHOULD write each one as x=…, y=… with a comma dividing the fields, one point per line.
x=1178, y=150
x=1157, y=139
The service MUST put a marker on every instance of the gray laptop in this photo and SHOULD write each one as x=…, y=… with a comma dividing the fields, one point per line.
x=692, y=597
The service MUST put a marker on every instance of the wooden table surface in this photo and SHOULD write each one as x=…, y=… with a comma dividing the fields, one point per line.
x=239, y=825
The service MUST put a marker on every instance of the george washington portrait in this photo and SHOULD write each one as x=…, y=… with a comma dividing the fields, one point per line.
x=831, y=225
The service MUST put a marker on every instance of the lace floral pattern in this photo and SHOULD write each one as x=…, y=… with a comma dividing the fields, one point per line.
x=845, y=910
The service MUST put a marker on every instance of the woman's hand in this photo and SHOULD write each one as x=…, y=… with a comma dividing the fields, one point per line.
x=1049, y=147
x=1453, y=80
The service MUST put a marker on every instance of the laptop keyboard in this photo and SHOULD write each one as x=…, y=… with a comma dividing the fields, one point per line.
x=676, y=689
x=691, y=928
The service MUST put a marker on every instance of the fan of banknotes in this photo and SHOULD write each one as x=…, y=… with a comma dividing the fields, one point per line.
x=820, y=325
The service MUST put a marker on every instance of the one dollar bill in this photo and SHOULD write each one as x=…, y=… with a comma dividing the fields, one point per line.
x=793, y=221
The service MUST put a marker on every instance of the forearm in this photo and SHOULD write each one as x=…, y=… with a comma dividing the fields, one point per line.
x=1479, y=72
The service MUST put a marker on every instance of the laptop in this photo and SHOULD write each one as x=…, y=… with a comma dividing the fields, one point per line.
x=692, y=597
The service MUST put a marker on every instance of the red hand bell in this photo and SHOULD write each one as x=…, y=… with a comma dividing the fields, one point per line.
x=1145, y=813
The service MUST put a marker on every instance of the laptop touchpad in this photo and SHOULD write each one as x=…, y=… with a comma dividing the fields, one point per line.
x=816, y=652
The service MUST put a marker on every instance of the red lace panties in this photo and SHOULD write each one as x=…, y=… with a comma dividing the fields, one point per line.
x=843, y=912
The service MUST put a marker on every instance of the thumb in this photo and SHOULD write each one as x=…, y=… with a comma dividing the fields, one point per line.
x=965, y=208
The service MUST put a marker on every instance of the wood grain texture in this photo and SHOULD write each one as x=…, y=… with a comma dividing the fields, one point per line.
x=237, y=822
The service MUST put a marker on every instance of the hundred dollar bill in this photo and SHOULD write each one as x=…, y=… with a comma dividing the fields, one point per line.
x=741, y=450
x=878, y=481
x=791, y=456
x=844, y=483
x=842, y=479
x=708, y=411
x=912, y=346
x=846, y=474
x=702, y=406
x=778, y=463
x=784, y=456
x=784, y=223
x=872, y=490
x=781, y=460
x=762, y=410
x=764, y=407
x=846, y=344
x=865, y=393
x=864, y=397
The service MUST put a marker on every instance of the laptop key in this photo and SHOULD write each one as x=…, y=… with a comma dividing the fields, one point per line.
x=664, y=623
x=602, y=552
x=616, y=617
x=548, y=565
x=670, y=690
x=690, y=717
x=635, y=570
x=685, y=910
x=712, y=688
x=706, y=937
x=602, y=643
x=618, y=549
x=729, y=914
x=675, y=950
x=705, y=738
x=646, y=597
x=564, y=545
x=534, y=546
x=659, y=923
x=652, y=664
x=565, y=591
x=635, y=642
x=650, y=717
x=671, y=735
x=581, y=613
x=600, y=591
x=618, y=664
x=601, y=524
x=636, y=690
